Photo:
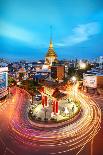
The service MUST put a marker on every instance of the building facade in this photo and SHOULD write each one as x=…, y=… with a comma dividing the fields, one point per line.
x=58, y=72
x=93, y=81
x=3, y=81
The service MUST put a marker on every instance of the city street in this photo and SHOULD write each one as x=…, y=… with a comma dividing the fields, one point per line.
x=19, y=136
x=98, y=140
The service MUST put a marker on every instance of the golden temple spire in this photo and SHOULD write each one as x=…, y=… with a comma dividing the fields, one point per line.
x=51, y=52
x=51, y=44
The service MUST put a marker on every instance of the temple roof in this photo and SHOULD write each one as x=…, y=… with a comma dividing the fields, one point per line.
x=51, y=52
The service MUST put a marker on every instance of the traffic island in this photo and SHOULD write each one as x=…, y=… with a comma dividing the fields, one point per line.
x=68, y=110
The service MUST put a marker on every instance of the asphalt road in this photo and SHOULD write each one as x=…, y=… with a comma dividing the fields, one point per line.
x=12, y=143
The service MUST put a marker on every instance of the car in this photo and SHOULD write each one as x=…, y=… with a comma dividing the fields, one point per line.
x=38, y=98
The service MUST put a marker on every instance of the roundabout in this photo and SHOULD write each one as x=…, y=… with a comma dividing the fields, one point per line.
x=60, y=138
x=67, y=110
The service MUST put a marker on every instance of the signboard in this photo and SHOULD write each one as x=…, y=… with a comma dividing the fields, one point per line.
x=90, y=81
x=3, y=69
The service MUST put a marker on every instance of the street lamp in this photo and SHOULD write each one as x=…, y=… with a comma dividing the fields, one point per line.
x=8, y=91
x=74, y=79
x=75, y=86
x=82, y=65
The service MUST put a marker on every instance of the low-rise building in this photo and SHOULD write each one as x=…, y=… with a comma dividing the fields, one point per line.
x=93, y=80
x=58, y=73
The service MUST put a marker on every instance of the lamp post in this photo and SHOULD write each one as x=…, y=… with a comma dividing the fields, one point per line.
x=32, y=95
x=8, y=90
x=45, y=110
x=74, y=80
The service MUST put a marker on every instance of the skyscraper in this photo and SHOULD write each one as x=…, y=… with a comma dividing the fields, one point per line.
x=3, y=81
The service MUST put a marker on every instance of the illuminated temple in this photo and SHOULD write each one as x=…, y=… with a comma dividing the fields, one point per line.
x=51, y=56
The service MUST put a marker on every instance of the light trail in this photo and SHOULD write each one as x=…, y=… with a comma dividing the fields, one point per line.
x=61, y=139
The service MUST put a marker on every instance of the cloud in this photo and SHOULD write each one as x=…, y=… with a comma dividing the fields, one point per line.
x=18, y=33
x=80, y=34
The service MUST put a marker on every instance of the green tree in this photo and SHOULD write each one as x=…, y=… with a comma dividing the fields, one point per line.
x=11, y=81
x=21, y=75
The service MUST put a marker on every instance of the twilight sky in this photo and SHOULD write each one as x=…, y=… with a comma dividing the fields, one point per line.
x=25, y=28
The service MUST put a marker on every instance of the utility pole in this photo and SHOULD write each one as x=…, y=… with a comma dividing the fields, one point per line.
x=8, y=89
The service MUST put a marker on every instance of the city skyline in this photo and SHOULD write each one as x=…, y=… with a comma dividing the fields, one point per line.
x=51, y=77
x=25, y=29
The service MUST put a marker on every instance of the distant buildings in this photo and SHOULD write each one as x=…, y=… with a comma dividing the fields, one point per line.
x=94, y=77
x=100, y=62
x=52, y=69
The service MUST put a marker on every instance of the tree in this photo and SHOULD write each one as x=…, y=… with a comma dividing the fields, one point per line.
x=11, y=81
x=71, y=72
x=21, y=75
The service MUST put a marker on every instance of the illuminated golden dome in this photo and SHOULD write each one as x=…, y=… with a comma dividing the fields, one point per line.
x=51, y=52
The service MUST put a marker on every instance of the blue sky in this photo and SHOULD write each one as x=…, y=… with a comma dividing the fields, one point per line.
x=25, y=28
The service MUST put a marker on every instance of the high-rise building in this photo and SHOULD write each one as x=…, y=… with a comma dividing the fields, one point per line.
x=100, y=61
x=3, y=81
